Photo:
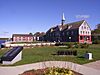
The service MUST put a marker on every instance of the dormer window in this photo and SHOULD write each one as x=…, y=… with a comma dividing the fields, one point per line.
x=69, y=26
x=60, y=28
x=51, y=30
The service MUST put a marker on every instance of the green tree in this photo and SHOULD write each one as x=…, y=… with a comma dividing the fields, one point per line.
x=30, y=33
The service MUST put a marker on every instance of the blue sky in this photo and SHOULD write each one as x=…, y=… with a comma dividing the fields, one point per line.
x=25, y=16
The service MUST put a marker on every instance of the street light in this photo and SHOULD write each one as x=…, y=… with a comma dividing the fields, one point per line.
x=70, y=39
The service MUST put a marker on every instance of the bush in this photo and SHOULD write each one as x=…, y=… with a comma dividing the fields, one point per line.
x=59, y=44
x=96, y=42
x=76, y=45
x=84, y=45
x=67, y=52
x=58, y=71
x=70, y=45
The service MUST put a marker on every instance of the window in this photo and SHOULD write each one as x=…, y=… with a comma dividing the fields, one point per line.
x=67, y=33
x=82, y=27
x=87, y=28
x=24, y=37
x=86, y=32
x=17, y=37
x=72, y=32
x=81, y=32
x=81, y=38
x=63, y=33
x=49, y=34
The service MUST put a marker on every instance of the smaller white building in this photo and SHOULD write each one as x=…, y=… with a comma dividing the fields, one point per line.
x=88, y=56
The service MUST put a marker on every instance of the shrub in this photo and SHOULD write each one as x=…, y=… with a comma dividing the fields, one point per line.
x=58, y=71
x=76, y=45
x=96, y=42
x=58, y=44
x=70, y=45
x=84, y=45
x=67, y=52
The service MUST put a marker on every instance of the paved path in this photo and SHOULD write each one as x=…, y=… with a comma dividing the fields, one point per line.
x=16, y=70
x=95, y=65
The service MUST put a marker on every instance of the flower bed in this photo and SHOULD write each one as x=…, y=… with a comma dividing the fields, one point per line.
x=51, y=71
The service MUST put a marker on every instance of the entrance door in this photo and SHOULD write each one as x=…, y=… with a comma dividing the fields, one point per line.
x=85, y=38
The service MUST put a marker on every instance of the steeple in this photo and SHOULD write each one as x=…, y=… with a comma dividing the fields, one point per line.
x=63, y=19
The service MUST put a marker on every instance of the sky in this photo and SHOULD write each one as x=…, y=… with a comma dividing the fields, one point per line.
x=25, y=16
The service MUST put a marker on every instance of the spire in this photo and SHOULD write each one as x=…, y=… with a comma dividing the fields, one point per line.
x=63, y=19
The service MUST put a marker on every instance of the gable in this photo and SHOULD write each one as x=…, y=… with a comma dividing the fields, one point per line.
x=84, y=29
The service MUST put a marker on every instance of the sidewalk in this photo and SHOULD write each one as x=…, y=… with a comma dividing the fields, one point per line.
x=16, y=70
x=95, y=65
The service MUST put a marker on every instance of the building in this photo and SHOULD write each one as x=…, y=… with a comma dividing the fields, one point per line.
x=79, y=31
x=22, y=38
x=38, y=36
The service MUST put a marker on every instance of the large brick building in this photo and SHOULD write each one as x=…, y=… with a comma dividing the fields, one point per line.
x=22, y=38
x=79, y=31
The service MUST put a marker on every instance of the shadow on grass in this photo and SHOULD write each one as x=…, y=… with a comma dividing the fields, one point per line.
x=80, y=56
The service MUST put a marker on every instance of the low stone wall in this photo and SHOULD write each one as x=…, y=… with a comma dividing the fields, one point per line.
x=30, y=45
x=75, y=67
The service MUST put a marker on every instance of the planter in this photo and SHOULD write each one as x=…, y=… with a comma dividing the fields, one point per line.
x=51, y=71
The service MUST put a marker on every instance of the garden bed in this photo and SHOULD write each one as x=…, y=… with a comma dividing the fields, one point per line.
x=51, y=71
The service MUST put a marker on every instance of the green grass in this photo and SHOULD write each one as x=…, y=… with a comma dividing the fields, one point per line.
x=38, y=54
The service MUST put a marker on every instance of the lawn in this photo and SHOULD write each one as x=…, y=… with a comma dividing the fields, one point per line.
x=38, y=54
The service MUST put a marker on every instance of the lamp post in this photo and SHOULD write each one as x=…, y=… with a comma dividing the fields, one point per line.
x=70, y=39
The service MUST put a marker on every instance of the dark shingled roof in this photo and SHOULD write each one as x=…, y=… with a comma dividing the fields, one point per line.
x=39, y=34
x=22, y=35
x=73, y=25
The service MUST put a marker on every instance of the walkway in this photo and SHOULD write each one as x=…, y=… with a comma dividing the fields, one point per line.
x=95, y=65
x=16, y=70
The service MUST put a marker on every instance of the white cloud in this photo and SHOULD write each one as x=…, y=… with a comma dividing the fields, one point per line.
x=82, y=16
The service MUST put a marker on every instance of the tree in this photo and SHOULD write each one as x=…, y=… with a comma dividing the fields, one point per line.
x=98, y=26
x=30, y=34
x=96, y=31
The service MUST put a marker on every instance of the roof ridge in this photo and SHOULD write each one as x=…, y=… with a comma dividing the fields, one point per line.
x=75, y=22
